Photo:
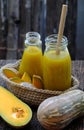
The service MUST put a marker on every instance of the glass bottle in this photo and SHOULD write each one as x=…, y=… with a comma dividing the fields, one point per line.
x=56, y=67
x=32, y=56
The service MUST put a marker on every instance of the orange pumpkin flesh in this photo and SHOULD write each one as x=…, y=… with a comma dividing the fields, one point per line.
x=13, y=110
x=26, y=77
x=37, y=81
x=11, y=72
x=16, y=80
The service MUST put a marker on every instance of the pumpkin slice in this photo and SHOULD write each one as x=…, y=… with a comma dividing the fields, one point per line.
x=26, y=77
x=16, y=80
x=13, y=110
x=11, y=72
x=37, y=81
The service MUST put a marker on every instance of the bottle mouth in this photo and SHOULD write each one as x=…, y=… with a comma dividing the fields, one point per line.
x=33, y=35
x=52, y=40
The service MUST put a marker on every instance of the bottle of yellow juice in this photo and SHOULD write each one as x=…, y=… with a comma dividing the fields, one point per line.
x=56, y=67
x=32, y=56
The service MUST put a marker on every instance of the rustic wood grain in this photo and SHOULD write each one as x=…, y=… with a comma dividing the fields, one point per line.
x=77, y=124
x=71, y=26
x=24, y=24
x=54, y=8
x=21, y=16
x=13, y=28
x=3, y=28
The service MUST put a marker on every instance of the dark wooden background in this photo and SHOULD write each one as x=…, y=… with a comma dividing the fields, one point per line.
x=17, y=17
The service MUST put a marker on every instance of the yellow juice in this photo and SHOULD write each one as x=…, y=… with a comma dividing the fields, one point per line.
x=57, y=70
x=31, y=61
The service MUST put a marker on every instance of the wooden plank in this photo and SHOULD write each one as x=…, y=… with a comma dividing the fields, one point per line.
x=25, y=24
x=53, y=15
x=71, y=25
x=43, y=9
x=35, y=15
x=3, y=29
x=13, y=30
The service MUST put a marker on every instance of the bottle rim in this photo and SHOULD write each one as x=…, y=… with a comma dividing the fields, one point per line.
x=52, y=39
x=33, y=34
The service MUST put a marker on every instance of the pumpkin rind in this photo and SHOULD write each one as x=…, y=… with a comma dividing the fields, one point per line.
x=57, y=112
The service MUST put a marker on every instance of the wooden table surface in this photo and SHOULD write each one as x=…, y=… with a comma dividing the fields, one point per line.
x=77, y=124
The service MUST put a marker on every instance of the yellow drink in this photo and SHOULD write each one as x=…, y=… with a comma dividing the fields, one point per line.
x=57, y=70
x=31, y=61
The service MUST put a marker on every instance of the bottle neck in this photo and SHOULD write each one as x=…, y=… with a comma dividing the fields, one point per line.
x=33, y=39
